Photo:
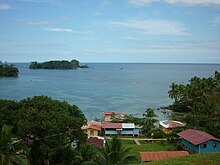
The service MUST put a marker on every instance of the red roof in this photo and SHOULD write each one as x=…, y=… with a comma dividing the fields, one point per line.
x=112, y=125
x=96, y=141
x=92, y=125
x=196, y=137
x=160, y=155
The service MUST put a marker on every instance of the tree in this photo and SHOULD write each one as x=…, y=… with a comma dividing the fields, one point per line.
x=50, y=125
x=149, y=119
x=86, y=155
x=45, y=125
x=11, y=150
x=114, y=153
x=8, y=70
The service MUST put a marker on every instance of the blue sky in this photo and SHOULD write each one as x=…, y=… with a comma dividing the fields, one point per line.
x=151, y=31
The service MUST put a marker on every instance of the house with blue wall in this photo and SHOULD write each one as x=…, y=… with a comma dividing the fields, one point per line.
x=198, y=141
x=110, y=129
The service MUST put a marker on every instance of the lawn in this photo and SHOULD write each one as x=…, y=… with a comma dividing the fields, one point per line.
x=195, y=159
x=145, y=146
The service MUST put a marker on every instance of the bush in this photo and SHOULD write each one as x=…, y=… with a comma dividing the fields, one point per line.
x=156, y=134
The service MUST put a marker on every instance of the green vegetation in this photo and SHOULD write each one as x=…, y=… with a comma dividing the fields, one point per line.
x=200, y=100
x=44, y=125
x=195, y=159
x=149, y=119
x=11, y=149
x=115, y=152
x=74, y=64
x=8, y=70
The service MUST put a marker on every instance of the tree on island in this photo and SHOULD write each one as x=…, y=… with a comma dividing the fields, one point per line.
x=74, y=64
x=8, y=70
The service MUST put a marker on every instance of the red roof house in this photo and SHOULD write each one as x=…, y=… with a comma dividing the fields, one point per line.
x=199, y=141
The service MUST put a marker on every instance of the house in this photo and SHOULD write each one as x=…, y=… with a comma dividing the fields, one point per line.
x=167, y=126
x=92, y=128
x=160, y=155
x=120, y=129
x=108, y=116
x=198, y=141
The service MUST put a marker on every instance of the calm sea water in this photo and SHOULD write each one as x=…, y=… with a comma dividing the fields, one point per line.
x=125, y=88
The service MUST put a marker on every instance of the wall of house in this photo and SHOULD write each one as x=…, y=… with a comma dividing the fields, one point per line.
x=189, y=146
x=91, y=132
x=165, y=130
x=211, y=146
x=111, y=132
x=200, y=148
x=123, y=132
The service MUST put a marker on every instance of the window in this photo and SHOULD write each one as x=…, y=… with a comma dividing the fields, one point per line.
x=214, y=144
x=203, y=145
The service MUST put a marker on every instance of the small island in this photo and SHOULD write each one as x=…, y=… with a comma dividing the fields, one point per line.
x=74, y=64
x=8, y=70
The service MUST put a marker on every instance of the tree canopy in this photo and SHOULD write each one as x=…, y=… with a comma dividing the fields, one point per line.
x=200, y=98
x=8, y=70
x=44, y=125
x=74, y=64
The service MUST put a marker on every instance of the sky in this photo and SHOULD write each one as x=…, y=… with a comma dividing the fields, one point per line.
x=133, y=31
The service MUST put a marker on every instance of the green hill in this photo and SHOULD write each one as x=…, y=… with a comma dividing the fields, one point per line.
x=194, y=159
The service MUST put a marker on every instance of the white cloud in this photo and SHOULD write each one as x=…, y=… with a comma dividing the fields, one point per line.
x=184, y=2
x=141, y=2
x=4, y=6
x=216, y=21
x=67, y=30
x=154, y=26
x=59, y=30
x=194, y=2
x=41, y=22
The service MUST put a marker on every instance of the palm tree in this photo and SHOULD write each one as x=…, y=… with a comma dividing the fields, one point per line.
x=149, y=119
x=87, y=155
x=10, y=148
x=114, y=153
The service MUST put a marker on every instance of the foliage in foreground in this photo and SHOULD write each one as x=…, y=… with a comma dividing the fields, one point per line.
x=11, y=149
x=46, y=126
x=115, y=153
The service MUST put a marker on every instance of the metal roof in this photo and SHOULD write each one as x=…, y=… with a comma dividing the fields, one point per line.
x=196, y=137
x=171, y=124
x=160, y=155
x=128, y=125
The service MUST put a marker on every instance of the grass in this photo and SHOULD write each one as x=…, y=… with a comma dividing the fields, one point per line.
x=145, y=146
x=195, y=159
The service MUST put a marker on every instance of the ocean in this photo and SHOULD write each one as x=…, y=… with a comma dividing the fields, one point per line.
x=119, y=87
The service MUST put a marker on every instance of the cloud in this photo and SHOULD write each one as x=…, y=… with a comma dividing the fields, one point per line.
x=184, y=2
x=59, y=30
x=67, y=30
x=141, y=2
x=154, y=26
x=4, y=6
x=194, y=2
x=41, y=22
x=53, y=2
x=216, y=21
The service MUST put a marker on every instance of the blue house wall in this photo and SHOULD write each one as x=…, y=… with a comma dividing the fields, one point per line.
x=211, y=146
x=132, y=132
